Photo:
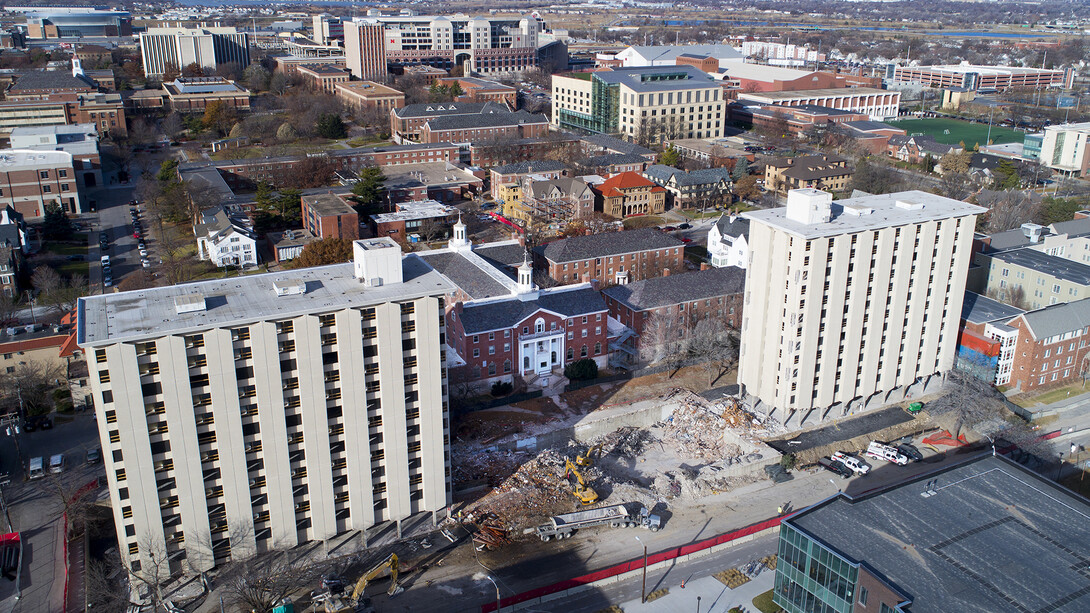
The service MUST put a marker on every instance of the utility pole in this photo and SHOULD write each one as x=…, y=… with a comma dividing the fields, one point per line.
x=643, y=587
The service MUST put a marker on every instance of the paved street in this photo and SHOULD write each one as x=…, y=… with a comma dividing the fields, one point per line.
x=36, y=508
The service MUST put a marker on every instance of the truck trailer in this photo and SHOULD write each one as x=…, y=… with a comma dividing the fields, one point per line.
x=627, y=515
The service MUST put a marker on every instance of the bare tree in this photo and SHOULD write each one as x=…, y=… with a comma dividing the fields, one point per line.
x=716, y=345
x=664, y=339
x=969, y=402
x=29, y=385
x=262, y=582
x=153, y=573
x=1008, y=209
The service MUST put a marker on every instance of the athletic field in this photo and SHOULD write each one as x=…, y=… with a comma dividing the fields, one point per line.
x=953, y=131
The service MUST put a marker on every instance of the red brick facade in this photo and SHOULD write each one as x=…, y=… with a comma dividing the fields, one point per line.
x=639, y=265
x=1038, y=364
x=465, y=135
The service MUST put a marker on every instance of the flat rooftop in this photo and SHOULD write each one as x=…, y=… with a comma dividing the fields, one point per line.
x=368, y=88
x=816, y=93
x=992, y=537
x=1054, y=265
x=885, y=213
x=239, y=301
x=401, y=176
x=328, y=204
x=408, y=211
x=983, y=70
x=978, y=309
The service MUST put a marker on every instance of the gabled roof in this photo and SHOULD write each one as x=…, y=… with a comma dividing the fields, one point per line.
x=703, y=176
x=677, y=288
x=52, y=79
x=624, y=180
x=485, y=120
x=1057, y=319
x=606, y=244
x=666, y=53
x=519, y=168
x=437, y=109
x=610, y=159
x=476, y=283
x=616, y=145
x=578, y=300
x=661, y=173
x=736, y=228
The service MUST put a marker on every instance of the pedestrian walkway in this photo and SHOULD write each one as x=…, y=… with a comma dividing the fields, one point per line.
x=715, y=597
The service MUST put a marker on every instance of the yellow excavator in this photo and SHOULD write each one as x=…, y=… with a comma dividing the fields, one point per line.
x=585, y=460
x=581, y=490
x=391, y=563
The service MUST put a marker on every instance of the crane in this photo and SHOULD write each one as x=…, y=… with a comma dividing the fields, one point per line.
x=581, y=490
x=391, y=563
x=588, y=458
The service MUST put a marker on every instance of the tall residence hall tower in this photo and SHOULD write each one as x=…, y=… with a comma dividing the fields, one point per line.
x=851, y=303
x=255, y=413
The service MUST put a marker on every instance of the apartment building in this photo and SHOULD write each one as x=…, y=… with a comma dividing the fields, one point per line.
x=360, y=95
x=986, y=344
x=1064, y=149
x=682, y=299
x=330, y=216
x=704, y=187
x=260, y=412
x=647, y=104
x=851, y=303
x=324, y=77
x=30, y=179
x=825, y=171
x=209, y=48
x=611, y=257
x=479, y=45
x=512, y=174
x=628, y=194
x=1029, y=278
x=877, y=104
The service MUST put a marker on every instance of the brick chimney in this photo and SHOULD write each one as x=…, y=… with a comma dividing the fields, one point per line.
x=594, y=283
x=704, y=266
x=666, y=272
x=587, y=232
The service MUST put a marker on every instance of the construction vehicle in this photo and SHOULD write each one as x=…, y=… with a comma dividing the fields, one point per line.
x=618, y=515
x=586, y=460
x=391, y=563
x=580, y=489
x=879, y=451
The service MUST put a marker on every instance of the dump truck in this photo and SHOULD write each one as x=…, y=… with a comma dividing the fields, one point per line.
x=619, y=515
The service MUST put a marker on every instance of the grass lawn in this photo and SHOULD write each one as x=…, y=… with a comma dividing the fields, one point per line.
x=66, y=249
x=362, y=141
x=68, y=269
x=579, y=75
x=953, y=131
x=764, y=603
x=696, y=214
x=644, y=221
x=1050, y=396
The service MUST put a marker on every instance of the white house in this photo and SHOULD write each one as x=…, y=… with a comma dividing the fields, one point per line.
x=728, y=241
x=225, y=239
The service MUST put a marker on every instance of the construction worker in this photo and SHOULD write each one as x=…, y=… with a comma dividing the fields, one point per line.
x=779, y=510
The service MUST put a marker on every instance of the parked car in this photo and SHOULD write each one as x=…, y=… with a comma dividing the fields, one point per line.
x=910, y=451
x=852, y=462
x=684, y=226
x=94, y=455
x=669, y=228
x=835, y=466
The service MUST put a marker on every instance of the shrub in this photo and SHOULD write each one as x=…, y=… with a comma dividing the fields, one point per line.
x=581, y=370
x=502, y=388
x=787, y=461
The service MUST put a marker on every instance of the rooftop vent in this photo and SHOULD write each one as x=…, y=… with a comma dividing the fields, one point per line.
x=909, y=205
x=1033, y=232
x=290, y=287
x=189, y=303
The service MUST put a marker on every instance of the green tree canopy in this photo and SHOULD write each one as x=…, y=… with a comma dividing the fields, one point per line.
x=670, y=157
x=330, y=125
x=368, y=189
x=56, y=225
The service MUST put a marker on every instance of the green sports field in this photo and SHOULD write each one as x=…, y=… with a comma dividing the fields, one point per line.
x=953, y=131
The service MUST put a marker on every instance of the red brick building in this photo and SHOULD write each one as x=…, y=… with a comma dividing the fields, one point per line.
x=1052, y=345
x=323, y=77
x=484, y=127
x=406, y=122
x=611, y=257
x=31, y=179
x=481, y=90
x=684, y=299
x=330, y=216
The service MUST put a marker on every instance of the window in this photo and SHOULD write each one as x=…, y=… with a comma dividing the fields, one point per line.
x=583, y=352
x=491, y=350
x=43, y=174
x=863, y=596
x=476, y=339
x=476, y=353
x=47, y=189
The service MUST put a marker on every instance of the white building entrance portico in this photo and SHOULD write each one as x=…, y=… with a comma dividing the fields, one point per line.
x=542, y=351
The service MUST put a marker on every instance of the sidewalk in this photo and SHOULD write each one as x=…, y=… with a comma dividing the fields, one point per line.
x=715, y=597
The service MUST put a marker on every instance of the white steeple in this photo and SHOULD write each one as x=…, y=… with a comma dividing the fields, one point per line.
x=525, y=288
x=459, y=242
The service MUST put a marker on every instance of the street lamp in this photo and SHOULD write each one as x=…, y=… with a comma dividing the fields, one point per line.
x=489, y=577
x=643, y=588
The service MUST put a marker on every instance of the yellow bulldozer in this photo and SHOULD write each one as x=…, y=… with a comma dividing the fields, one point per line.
x=585, y=460
x=333, y=604
x=580, y=489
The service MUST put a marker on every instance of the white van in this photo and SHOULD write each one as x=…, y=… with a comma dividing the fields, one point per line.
x=852, y=462
x=36, y=468
x=878, y=451
x=56, y=463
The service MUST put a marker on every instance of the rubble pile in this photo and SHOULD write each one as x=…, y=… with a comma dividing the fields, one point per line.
x=697, y=429
x=538, y=488
x=488, y=467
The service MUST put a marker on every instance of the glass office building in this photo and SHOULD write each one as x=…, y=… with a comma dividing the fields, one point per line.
x=811, y=578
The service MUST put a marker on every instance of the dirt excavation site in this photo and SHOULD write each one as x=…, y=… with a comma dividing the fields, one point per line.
x=664, y=452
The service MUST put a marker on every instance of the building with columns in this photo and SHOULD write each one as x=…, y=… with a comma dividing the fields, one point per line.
x=257, y=413
x=853, y=303
x=878, y=104
x=500, y=325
